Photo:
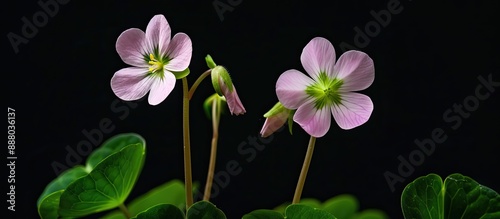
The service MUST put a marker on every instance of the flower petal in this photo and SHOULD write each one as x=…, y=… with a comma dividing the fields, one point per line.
x=354, y=110
x=290, y=88
x=131, y=83
x=233, y=101
x=180, y=51
x=356, y=69
x=158, y=34
x=315, y=122
x=318, y=56
x=130, y=47
x=161, y=88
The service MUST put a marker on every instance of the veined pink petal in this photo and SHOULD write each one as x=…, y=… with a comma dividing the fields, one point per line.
x=356, y=69
x=180, y=51
x=131, y=83
x=130, y=47
x=290, y=88
x=354, y=110
x=318, y=56
x=273, y=123
x=315, y=122
x=233, y=100
x=161, y=88
x=158, y=34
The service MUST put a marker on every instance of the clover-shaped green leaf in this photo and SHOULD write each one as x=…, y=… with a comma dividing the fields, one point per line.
x=171, y=192
x=48, y=202
x=161, y=211
x=102, y=165
x=370, y=214
x=110, y=146
x=49, y=205
x=106, y=186
x=315, y=203
x=423, y=198
x=342, y=206
x=301, y=211
x=457, y=197
x=263, y=214
x=204, y=210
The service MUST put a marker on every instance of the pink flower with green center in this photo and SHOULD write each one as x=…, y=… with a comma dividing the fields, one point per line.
x=156, y=59
x=329, y=89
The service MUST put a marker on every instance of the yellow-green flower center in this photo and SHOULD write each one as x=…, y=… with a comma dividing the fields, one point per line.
x=325, y=91
x=155, y=65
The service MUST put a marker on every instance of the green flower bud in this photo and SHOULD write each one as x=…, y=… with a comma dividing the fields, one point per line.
x=207, y=105
x=276, y=117
x=221, y=79
x=210, y=62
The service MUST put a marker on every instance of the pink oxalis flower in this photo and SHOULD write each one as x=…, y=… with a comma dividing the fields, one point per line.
x=329, y=89
x=157, y=60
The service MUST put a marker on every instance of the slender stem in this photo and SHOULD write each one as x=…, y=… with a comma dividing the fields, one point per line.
x=303, y=172
x=124, y=210
x=213, y=151
x=198, y=81
x=188, y=181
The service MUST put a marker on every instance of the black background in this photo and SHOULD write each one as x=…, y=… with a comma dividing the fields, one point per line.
x=427, y=59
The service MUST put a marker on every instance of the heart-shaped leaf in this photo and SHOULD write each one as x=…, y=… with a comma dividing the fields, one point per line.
x=465, y=198
x=49, y=206
x=342, y=206
x=312, y=202
x=458, y=197
x=48, y=202
x=106, y=186
x=301, y=211
x=370, y=214
x=204, y=210
x=171, y=192
x=423, y=198
x=263, y=214
x=110, y=146
x=161, y=211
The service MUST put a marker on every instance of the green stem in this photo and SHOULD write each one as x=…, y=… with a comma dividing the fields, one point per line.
x=124, y=210
x=188, y=181
x=213, y=151
x=198, y=81
x=303, y=172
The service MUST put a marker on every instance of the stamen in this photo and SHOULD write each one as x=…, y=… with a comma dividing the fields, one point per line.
x=155, y=64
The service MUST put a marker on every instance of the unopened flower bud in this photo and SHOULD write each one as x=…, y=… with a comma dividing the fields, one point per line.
x=275, y=119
